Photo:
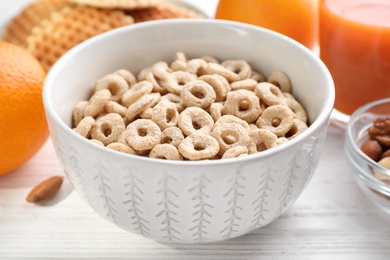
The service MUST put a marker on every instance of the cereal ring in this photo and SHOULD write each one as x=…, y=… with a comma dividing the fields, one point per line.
x=172, y=135
x=114, y=83
x=96, y=142
x=198, y=93
x=279, y=141
x=142, y=74
x=178, y=65
x=247, y=84
x=198, y=147
x=147, y=113
x=157, y=76
x=239, y=67
x=218, y=83
x=216, y=111
x=253, y=126
x=165, y=115
x=165, y=151
x=126, y=75
x=269, y=93
x=209, y=59
x=297, y=108
x=176, y=80
x=257, y=76
x=278, y=119
x=97, y=103
x=226, y=119
x=196, y=66
x=180, y=56
x=136, y=92
x=230, y=135
x=175, y=99
x=261, y=140
x=243, y=104
x=297, y=128
x=115, y=107
x=121, y=148
x=235, y=152
x=280, y=80
x=215, y=68
x=78, y=112
x=195, y=120
x=288, y=95
x=142, y=134
x=108, y=128
x=84, y=127
x=146, y=101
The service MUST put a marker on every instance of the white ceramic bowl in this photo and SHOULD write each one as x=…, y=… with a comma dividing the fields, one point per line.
x=184, y=201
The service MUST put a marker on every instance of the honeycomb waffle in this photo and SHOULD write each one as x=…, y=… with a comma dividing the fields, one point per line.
x=120, y=4
x=162, y=11
x=22, y=25
x=69, y=27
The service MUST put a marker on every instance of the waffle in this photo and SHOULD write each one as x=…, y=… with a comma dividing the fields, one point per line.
x=22, y=25
x=162, y=11
x=68, y=27
x=120, y=4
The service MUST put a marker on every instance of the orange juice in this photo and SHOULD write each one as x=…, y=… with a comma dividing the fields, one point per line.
x=294, y=18
x=355, y=46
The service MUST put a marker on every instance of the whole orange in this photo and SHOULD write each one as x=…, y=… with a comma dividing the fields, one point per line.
x=23, y=127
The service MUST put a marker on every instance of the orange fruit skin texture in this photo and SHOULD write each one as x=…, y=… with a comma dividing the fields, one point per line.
x=23, y=126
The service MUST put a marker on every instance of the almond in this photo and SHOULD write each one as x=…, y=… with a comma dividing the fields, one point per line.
x=45, y=190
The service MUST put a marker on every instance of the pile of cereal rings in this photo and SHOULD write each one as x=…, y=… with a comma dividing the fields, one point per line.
x=191, y=109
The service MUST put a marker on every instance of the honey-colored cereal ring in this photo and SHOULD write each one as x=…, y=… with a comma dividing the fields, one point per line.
x=218, y=83
x=297, y=108
x=257, y=76
x=157, y=76
x=78, y=112
x=120, y=147
x=176, y=80
x=226, y=119
x=261, y=140
x=235, y=152
x=196, y=66
x=240, y=67
x=96, y=142
x=195, y=120
x=145, y=71
x=297, y=128
x=127, y=75
x=215, y=68
x=180, y=62
x=84, y=127
x=108, y=128
x=147, y=113
x=172, y=135
x=165, y=151
x=269, y=93
x=116, y=84
x=278, y=119
x=142, y=134
x=229, y=135
x=280, y=80
x=199, y=147
x=243, y=104
x=211, y=59
x=97, y=103
x=136, y=92
x=165, y=115
x=146, y=101
x=247, y=84
x=279, y=141
x=216, y=111
x=175, y=99
x=198, y=93
x=115, y=107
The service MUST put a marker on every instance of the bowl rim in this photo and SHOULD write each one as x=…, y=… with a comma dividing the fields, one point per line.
x=323, y=117
x=368, y=178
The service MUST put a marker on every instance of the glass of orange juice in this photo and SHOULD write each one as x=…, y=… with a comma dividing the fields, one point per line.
x=355, y=46
x=297, y=19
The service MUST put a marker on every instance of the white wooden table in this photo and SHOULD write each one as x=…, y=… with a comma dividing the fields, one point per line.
x=332, y=219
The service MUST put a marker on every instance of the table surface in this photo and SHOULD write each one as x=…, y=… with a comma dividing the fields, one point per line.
x=332, y=219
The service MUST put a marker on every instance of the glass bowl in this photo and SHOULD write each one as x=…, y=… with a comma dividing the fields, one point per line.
x=378, y=191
